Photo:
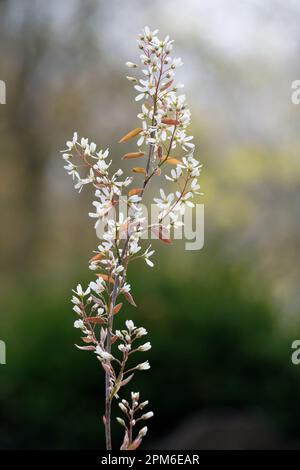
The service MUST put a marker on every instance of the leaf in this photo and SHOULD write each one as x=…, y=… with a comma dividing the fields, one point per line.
x=170, y=122
x=166, y=86
x=158, y=171
x=96, y=320
x=138, y=169
x=126, y=381
x=128, y=156
x=125, y=442
x=172, y=161
x=86, y=348
x=136, y=443
x=107, y=278
x=161, y=233
x=159, y=152
x=117, y=308
x=131, y=135
x=97, y=257
x=85, y=339
x=129, y=298
x=135, y=191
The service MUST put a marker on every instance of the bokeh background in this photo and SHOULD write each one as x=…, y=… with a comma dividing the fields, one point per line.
x=222, y=319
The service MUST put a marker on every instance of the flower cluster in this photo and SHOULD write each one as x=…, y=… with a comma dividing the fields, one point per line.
x=130, y=411
x=164, y=117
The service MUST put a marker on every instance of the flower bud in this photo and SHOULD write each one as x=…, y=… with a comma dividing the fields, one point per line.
x=123, y=408
x=121, y=421
x=147, y=415
x=131, y=65
x=145, y=347
x=143, y=432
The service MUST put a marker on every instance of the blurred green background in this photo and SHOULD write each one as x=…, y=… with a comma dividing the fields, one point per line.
x=221, y=320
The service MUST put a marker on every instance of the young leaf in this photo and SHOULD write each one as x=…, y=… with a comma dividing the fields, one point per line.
x=125, y=442
x=170, y=122
x=135, y=191
x=129, y=298
x=86, y=348
x=85, y=339
x=131, y=135
x=97, y=257
x=126, y=381
x=161, y=233
x=173, y=161
x=166, y=86
x=138, y=169
x=107, y=278
x=128, y=156
x=97, y=320
x=136, y=443
x=117, y=308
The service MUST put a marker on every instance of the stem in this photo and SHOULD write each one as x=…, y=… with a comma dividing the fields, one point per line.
x=108, y=399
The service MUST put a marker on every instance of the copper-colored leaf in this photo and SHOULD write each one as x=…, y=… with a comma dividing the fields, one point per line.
x=97, y=257
x=85, y=339
x=126, y=381
x=96, y=320
x=170, y=122
x=136, y=443
x=135, y=191
x=159, y=152
x=86, y=348
x=129, y=298
x=107, y=278
x=161, y=233
x=130, y=135
x=139, y=169
x=166, y=86
x=128, y=156
x=125, y=442
x=117, y=308
x=172, y=161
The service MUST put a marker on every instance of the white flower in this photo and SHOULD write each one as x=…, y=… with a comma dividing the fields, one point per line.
x=135, y=396
x=145, y=347
x=175, y=174
x=125, y=288
x=79, y=324
x=124, y=347
x=70, y=144
x=103, y=354
x=77, y=309
x=177, y=62
x=147, y=255
x=75, y=300
x=130, y=325
x=143, y=366
x=79, y=291
x=141, y=332
x=97, y=286
x=195, y=186
x=148, y=415
x=165, y=201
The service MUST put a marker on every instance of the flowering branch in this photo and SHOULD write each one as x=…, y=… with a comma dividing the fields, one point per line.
x=165, y=118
